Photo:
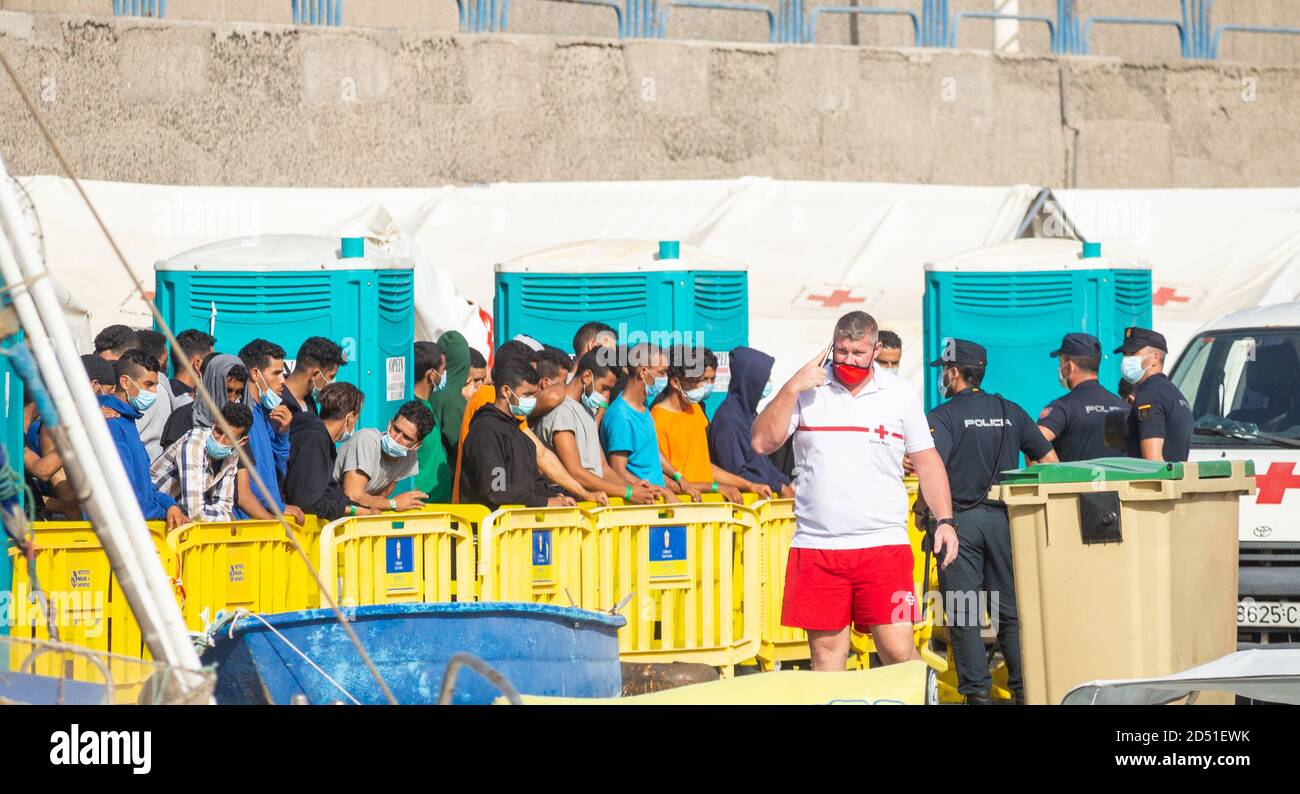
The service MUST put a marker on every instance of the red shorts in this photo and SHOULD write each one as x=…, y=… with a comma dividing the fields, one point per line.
x=826, y=589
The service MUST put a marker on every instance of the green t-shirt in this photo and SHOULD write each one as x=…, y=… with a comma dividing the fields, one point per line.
x=434, y=477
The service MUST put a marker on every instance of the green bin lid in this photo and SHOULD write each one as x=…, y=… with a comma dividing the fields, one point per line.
x=1098, y=470
x=1116, y=469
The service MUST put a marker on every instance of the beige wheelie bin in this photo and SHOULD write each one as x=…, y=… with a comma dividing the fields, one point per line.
x=1124, y=568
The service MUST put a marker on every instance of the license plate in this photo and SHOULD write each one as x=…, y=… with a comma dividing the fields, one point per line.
x=1268, y=614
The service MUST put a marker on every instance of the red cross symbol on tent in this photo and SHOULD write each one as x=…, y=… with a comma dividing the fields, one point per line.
x=1166, y=295
x=836, y=299
x=1274, y=484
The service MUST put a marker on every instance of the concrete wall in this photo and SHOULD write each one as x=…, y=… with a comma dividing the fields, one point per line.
x=259, y=104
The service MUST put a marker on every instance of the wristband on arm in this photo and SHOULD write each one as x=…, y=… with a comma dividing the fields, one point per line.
x=714, y=489
x=677, y=476
x=627, y=494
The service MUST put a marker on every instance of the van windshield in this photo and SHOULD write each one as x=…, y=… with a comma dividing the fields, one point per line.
x=1243, y=386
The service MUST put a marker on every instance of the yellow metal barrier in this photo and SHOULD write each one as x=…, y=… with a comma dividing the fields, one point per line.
x=777, y=643
x=228, y=565
x=693, y=572
x=538, y=554
x=420, y=555
x=89, y=606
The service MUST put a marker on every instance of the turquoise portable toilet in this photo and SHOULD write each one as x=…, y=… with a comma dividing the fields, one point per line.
x=1019, y=298
x=287, y=287
x=649, y=291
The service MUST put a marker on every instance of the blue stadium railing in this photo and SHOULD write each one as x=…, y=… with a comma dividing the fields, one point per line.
x=789, y=22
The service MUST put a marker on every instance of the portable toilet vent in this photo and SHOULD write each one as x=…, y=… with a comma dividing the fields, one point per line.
x=1019, y=298
x=660, y=292
x=287, y=287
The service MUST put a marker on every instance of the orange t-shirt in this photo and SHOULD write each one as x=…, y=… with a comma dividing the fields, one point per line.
x=485, y=394
x=684, y=440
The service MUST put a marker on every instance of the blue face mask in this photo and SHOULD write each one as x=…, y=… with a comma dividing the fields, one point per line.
x=442, y=382
x=767, y=391
x=347, y=433
x=1131, y=369
x=142, y=399
x=391, y=448
x=315, y=391
x=524, y=407
x=655, y=389
x=697, y=395
x=594, y=401
x=217, y=450
x=270, y=400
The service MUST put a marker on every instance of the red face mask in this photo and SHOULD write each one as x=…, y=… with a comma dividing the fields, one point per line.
x=850, y=374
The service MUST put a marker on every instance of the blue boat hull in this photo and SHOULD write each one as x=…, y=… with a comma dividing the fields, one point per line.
x=541, y=649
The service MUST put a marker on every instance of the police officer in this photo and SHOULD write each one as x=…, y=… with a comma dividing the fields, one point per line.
x=1076, y=422
x=1160, y=421
x=978, y=435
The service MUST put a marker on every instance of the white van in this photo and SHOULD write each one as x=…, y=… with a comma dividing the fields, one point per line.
x=1241, y=375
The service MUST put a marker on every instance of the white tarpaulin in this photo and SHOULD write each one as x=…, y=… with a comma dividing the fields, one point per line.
x=1271, y=674
x=814, y=249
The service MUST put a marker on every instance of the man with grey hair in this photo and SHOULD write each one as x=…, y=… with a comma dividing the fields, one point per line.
x=850, y=560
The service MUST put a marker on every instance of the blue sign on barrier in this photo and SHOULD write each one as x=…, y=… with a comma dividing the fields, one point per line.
x=399, y=564
x=543, y=573
x=668, y=552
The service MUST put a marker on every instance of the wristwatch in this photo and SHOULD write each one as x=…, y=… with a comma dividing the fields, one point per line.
x=952, y=522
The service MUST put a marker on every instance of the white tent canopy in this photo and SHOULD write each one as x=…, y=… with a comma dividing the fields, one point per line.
x=813, y=249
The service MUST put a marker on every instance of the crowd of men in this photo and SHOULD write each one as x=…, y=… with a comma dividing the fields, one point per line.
x=548, y=427
x=543, y=427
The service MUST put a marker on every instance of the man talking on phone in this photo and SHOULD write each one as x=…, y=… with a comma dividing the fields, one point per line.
x=850, y=561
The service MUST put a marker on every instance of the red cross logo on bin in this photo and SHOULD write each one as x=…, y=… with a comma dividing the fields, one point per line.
x=1166, y=295
x=1274, y=484
x=836, y=299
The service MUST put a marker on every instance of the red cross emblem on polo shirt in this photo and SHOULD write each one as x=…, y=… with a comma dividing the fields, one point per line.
x=1274, y=484
x=836, y=299
x=881, y=431
x=1166, y=295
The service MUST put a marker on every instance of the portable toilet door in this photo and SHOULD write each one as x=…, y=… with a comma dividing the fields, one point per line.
x=664, y=293
x=288, y=287
x=1019, y=298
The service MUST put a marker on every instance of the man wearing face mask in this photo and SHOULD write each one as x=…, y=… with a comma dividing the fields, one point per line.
x=850, y=561
x=434, y=478
x=499, y=463
x=1160, y=421
x=891, y=351
x=571, y=432
x=268, y=438
x=628, y=432
x=730, y=431
x=371, y=463
x=977, y=435
x=315, y=368
x=1076, y=422
x=682, y=428
x=310, y=482
x=137, y=388
x=200, y=470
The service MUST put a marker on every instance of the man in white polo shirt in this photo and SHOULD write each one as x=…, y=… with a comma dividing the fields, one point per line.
x=850, y=561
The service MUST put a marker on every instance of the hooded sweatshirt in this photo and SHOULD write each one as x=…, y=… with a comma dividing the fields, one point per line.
x=214, y=380
x=309, y=481
x=153, y=503
x=730, y=431
x=447, y=404
x=499, y=466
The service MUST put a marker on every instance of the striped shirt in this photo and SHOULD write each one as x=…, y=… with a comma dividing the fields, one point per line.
x=203, y=487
